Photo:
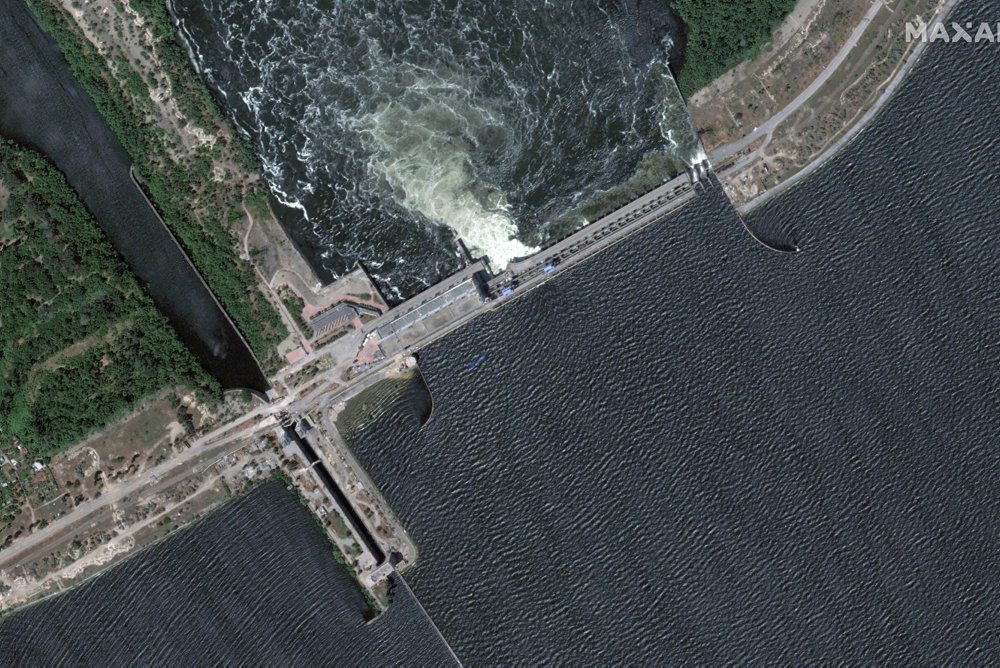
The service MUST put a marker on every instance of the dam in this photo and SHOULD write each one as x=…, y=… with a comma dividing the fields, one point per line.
x=434, y=312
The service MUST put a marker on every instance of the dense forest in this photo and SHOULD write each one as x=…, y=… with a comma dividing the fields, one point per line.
x=194, y=193
x=721, y=33
x=81, y=341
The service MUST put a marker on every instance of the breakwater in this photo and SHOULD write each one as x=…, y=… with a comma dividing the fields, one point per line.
x=43, y=107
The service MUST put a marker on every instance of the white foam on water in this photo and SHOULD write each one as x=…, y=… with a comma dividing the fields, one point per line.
x=282, y=196
x=421, y=143
x=675, y=123
x=387, y=123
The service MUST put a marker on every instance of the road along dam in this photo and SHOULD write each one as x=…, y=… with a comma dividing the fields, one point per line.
x=427, y=316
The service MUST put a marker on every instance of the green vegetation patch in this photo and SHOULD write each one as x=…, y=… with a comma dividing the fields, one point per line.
x=368, y=406
x=722, y=33
x=295, y=307
x=81, y=342
x=192, y=184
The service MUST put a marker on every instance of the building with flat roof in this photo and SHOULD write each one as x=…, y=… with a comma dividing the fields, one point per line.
x=429, y=315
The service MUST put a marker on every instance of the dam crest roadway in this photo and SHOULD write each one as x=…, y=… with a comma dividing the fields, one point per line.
x=303, y=403
x=429, y=315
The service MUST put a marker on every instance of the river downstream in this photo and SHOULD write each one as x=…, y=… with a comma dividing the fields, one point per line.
x=692, y=449
x=387, y=128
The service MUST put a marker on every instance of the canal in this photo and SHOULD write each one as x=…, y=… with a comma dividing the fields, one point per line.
x=42, y=106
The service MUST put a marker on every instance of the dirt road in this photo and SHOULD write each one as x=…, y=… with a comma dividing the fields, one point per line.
x=160, y=477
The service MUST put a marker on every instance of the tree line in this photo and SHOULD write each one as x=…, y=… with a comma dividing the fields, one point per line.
x=179, y=182
x=719, y=34
x=81, y=342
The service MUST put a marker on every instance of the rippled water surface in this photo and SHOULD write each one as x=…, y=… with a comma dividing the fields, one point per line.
x=254, y=583
x=689, y=448
x=385, y=125
x=692, y=448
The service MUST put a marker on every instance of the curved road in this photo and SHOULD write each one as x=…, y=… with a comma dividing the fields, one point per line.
x=721, y=153
x=848, y=137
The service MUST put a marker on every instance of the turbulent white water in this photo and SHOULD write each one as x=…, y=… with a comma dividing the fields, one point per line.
x=420, y=142
x=387, y=129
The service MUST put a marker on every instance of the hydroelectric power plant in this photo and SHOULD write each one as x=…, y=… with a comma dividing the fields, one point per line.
x=689, y=449
x=437, y=310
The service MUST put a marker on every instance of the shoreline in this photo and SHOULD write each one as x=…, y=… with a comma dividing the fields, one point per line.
x=591, y=235
x=256, y=391
x=831, y=109
x=884, y=97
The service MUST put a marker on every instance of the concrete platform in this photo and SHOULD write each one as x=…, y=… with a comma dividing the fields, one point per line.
x=430, y=316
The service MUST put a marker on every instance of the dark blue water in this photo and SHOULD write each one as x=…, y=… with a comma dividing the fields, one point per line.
x=694, y=449
x=387, y=127
x=691, y=448
x=255, y=583
x=42, y=106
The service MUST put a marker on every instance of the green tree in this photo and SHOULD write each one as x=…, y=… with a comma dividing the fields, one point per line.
x=720, y=34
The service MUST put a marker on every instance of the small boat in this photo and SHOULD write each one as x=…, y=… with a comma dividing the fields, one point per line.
x=476, y=362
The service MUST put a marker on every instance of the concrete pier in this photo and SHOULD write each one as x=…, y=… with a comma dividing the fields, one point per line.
x=298, y=434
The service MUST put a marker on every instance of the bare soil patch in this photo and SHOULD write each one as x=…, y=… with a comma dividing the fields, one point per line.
x=752, y=92
x=837, y=105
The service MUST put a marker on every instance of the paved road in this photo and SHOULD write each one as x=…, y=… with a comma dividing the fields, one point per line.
x=855, y=129
x=170, y=472
x=764, y=131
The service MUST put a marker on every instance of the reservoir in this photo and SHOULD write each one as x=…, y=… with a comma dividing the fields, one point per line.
x=692, y=449
x=43, y=107
x=254, y=583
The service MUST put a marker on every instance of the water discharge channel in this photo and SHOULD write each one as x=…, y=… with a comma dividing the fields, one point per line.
x=43, y=107
x=386, y=128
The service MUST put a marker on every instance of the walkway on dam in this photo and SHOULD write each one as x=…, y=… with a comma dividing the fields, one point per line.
x=434, y=308
x=600, y=234
x=454, y=301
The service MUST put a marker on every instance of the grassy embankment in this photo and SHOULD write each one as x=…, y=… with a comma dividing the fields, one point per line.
x=374, y=609
x=719, y=35
x=722, y=33
x=82, y=343
x=191, y=162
